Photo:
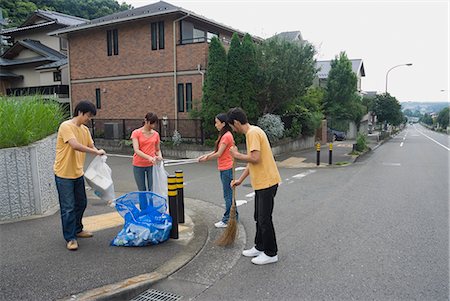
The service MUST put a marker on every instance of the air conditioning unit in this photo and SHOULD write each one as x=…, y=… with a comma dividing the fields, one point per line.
x=111, y=131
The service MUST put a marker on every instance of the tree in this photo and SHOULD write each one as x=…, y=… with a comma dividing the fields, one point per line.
x=307, y=112
x=443, y=118
x=214, y=98
x=388, y=109
x=234, y=81
x=249, y=69
x=18, y=11
x=285, y=71
x=341, y=101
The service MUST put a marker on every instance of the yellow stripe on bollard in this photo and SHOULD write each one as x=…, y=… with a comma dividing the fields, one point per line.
x=180, y=179
x=331, y=146
x=318, y=147
x=172, y=186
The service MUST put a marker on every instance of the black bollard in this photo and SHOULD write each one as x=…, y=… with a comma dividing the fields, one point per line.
x=318, y=153
x=173, y=211
x=330, y=157
x=180, y=195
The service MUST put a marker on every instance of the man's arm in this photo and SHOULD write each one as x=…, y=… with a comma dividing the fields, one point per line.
x=85, y=149
x=253, y=157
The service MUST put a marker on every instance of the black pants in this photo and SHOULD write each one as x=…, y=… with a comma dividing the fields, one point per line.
x=265, y=233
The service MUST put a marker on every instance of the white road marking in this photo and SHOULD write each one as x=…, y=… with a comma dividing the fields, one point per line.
x=401, y=144
x=240, y=202
x=303, y=174
x=434, y=141
x=239, y=168
x=391, y=164
x=250, y=195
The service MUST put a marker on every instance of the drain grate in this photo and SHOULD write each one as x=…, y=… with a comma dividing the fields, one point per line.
x=154, y=295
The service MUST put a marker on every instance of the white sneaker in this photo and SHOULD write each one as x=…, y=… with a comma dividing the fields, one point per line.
x=253, y=252
x=264, y=259
x=220, y=225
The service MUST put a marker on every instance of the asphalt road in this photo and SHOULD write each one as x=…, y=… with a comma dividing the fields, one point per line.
x=375, y=230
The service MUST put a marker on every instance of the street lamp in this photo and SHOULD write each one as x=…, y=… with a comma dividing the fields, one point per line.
x=387, y=74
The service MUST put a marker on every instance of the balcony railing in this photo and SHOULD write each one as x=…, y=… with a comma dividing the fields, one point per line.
x=42, y=90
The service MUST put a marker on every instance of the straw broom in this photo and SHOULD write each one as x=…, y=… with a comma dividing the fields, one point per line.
x=229, y=234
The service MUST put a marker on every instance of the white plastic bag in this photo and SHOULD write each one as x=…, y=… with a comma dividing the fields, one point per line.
x=159, y=179
x=98, y=176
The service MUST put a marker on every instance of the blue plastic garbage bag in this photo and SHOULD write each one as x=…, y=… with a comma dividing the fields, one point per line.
x=146, y=221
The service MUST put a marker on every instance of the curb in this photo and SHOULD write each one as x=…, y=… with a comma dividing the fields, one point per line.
x=131, y=287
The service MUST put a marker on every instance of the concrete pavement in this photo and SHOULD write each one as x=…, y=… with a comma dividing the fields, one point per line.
x=34, y=249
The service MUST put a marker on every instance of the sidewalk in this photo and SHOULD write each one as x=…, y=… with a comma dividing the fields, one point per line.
x=308, y=158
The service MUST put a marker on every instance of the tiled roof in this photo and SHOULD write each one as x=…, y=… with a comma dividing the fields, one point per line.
x=290, y=36
x=47, y=54
x=7, y=74
x=51, y=17
x=325, y=67
x=151, y=10
x=56, y=64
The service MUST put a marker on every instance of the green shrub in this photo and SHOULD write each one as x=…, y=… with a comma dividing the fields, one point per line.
x=27, y=119
x=176, y=138
x=361, y=142
x=272, y=125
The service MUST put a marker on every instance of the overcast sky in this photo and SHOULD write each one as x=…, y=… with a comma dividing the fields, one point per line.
x=381, y=33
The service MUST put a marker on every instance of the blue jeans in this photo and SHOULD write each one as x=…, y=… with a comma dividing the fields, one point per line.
x=140, y=174
x=72, y=202
x=226, y=176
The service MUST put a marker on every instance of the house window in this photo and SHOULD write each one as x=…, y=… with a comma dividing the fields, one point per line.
x=192, y=33
x=112, y=42
x=161, y=34
x=63, y=44
x=57, y=76
x=180, y=97
x=183, y=94
x=98, y=101
x=157, y=31
x=188, y=97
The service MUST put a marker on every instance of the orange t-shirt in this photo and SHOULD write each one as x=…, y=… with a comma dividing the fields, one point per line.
x=225, y=161
x=147, y=145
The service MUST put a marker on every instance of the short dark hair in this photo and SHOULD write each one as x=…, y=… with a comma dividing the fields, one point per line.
x=85, y=106
x=237, y=114
x=151, y=117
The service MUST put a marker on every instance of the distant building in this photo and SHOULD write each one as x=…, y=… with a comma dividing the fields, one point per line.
x=37, y=62
x=325, y=67
x=290, y=36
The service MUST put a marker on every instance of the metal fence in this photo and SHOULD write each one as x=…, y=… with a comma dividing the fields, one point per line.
x=121, y=129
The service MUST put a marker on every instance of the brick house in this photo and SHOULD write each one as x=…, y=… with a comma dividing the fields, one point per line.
x=152, y=58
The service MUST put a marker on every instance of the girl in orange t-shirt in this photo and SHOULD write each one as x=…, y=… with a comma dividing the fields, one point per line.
x=146, y=145
x=224, y=163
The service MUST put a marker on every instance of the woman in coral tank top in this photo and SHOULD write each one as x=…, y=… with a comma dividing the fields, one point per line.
x=224, y=163
x=146, y=145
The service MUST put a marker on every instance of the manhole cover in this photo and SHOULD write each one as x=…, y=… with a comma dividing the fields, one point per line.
x=154, y=295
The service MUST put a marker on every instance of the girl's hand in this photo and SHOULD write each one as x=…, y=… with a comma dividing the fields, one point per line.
x=152, y=159
x=158, y=158
x=203, y=158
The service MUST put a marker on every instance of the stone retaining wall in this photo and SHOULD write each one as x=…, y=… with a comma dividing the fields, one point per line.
x=27, y=183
